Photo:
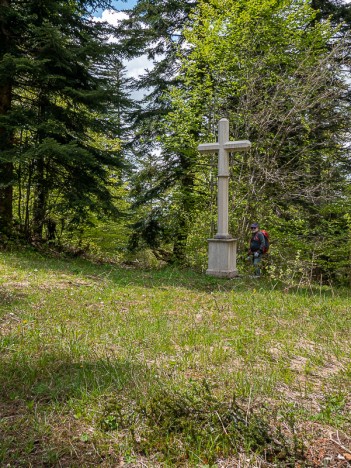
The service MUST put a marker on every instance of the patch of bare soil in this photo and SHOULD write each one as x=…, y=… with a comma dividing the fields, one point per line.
x=310, y=383
x=16, y=284
x=10, y=294
x=8, y=323
x=67, y=282
x=328, y=448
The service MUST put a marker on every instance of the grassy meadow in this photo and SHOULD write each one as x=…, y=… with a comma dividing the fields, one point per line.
x=111, y=365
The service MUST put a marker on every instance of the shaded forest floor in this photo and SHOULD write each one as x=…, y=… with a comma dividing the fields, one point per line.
x=105, y=365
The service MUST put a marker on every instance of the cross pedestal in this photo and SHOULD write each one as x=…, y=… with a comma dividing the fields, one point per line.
x=222, y=249
x=222, y=258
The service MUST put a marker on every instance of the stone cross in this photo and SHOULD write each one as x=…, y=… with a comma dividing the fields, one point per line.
x=222, y=257
x=223, y=147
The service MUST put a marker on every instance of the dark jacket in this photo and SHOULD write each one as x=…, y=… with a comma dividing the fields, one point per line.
x=257, y=242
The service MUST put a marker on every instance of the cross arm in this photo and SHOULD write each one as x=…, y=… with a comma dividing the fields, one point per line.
x=208, y=147
x=236, y=146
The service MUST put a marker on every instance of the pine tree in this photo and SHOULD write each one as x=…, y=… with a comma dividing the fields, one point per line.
x=335, y=10
x=6, y=133
x=61, y=101
x=155, y=28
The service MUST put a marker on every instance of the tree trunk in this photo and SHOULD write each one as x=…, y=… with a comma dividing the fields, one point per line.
x=6, y=167
x=40, y=198
x=182, y=232
x=180, y=240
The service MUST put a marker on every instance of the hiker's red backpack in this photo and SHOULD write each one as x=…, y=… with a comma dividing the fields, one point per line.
x=266, y=239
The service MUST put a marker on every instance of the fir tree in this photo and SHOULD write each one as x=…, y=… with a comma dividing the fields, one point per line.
x=61, y=101
x=155, y=28
x=6, y=132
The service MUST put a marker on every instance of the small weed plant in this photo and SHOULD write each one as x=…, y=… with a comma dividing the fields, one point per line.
x=190, y=424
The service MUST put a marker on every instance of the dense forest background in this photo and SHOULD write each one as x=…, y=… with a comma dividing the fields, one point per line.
x=84, y=163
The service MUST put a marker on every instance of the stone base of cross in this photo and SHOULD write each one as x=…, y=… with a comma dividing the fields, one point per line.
x=222, y=249
x=222, y=258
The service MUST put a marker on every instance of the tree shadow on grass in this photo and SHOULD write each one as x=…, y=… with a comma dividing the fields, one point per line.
x=165, y=277
x=9, y=296
x=120, y=275
x=45, y=405
x=58, y=412
x=54, y=377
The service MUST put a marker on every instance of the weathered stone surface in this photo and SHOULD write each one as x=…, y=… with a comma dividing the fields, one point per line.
x=222, y=254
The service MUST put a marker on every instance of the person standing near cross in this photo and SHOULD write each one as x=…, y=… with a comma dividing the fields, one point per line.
x=222, y=248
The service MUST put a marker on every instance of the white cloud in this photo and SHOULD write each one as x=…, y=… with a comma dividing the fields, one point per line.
x=136, y=66
x=113, y=17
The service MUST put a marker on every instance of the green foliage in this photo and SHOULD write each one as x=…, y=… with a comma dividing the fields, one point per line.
x=64, y=119
x=275, y=72
x=333, y=410
x=277, y=69
x=163, y=183
x=190, y=423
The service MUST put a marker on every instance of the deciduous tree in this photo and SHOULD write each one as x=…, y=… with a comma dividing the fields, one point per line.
x=278, y=74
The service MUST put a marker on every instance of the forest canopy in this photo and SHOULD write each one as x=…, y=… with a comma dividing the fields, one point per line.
x=76, y=148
